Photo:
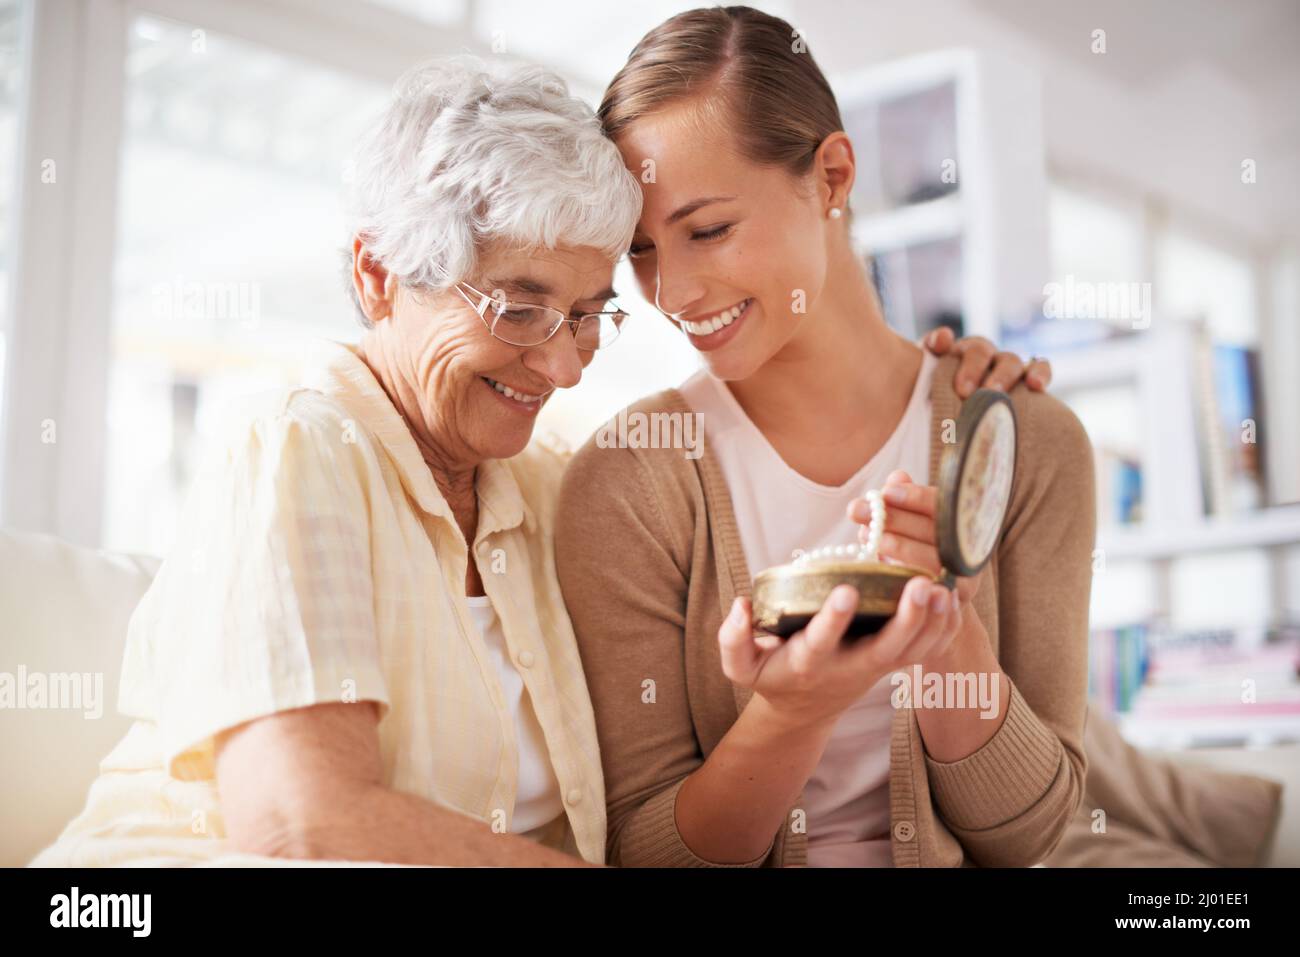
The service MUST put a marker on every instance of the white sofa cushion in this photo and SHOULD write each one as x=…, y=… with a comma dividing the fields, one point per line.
x=63, y=611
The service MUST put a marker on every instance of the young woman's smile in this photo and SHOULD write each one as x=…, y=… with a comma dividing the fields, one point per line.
x=708, y=331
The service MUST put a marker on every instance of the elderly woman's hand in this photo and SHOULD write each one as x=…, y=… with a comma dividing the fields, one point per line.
x=983, y=366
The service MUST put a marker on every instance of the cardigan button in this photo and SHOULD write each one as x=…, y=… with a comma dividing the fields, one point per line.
x=904, y=830
x=575, y=796
x=526, y=659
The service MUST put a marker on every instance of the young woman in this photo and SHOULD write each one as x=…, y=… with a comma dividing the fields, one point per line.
x=721, y=747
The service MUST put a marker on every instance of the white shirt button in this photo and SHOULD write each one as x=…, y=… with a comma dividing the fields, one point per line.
x=526, y=659
x=574, y=796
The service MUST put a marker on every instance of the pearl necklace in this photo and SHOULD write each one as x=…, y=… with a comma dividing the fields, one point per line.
x=867, y=551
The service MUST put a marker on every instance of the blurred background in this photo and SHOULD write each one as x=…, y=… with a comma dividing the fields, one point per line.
x=1111, y=185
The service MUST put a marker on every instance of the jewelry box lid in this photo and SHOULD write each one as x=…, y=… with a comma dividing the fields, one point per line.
x=974, y=484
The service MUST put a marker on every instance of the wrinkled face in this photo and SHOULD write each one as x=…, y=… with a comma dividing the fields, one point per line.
x=479, y=396
x=732, y=251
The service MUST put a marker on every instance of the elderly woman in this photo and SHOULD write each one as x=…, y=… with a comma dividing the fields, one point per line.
x=357, y=649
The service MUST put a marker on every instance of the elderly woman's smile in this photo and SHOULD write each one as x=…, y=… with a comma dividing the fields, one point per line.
x=453, y=361
x=517, y=398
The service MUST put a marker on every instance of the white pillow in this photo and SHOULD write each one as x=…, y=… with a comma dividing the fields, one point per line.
x=63, y=611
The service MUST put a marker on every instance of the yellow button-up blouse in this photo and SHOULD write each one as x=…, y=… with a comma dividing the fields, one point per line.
x=317, y=562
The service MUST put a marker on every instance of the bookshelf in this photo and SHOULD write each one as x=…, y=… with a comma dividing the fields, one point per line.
x=1191, y=733
x=1159, y=366
x=915, y=224
x=1170, y=407
x=948, y=207
x=1275, y=525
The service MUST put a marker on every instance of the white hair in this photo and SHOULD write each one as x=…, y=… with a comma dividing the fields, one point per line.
x=467, y=155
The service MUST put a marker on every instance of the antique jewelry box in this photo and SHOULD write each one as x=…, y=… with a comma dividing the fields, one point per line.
x=974, y=488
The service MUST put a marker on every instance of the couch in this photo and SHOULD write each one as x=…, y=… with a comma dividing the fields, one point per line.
x=64, y=609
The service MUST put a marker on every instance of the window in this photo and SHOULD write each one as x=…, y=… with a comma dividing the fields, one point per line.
x=1195, y=280
x=228, y=256
x=11, y=81
x=1094, y=240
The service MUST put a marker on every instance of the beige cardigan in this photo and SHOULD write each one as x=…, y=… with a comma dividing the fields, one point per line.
x=649, y=559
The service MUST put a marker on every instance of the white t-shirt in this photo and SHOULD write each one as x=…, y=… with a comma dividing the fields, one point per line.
x=778, y=511
x=537, y=799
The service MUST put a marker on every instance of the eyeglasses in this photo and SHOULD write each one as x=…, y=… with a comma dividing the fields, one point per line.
x=528, y=324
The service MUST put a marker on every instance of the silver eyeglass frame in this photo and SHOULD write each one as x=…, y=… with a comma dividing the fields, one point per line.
x=484, y=299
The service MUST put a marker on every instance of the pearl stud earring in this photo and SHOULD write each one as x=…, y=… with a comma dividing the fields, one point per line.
x=835, y=212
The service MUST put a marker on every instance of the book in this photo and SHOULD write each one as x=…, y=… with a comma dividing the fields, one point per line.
x=1229, y=425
